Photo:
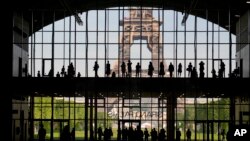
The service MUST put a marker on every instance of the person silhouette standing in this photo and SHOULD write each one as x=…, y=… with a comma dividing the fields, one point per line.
x=38, y=74
x=161, y=72
x=162, y=135
x=62, y=71
x=178, y=135
x=108, y=71
x=202, y=74
x=189, y=69
x=96, y=67
x=119, y=134
x=100, y=133
x=171, y=69
x=146, y=134
x=188, y=134
x=71, y=70
x=110, y=133
x=106, y=134
x=123, y=67
x=220, y=73
x=65, y=135
x=78, y=74
x=213, y=73
x=58, y=74
x=154, y=135
x=223, y=134
x=150, y=69
x=222, y=67
x=194, y=73
x=41, y=133
x=113, y=74
x=129, y=64
x=179, y=69
x=137, y=69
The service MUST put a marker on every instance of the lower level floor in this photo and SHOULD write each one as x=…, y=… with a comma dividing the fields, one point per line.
x=121, y=117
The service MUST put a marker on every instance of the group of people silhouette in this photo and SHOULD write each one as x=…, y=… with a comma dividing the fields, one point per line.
x=107, y=133
x=131, y=134
x=125, y=134
x=126, y=70
x=138, y=135
x=65, y=135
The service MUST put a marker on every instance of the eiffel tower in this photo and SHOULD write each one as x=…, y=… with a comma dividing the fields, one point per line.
x=140, y=25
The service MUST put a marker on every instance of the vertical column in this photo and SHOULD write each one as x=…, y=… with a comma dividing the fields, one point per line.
x=31, y=119
x=91, y=118
x=95, y=119
x=6, y=103
x=52, y=119
x=171, y=104
x=232, y=111
x=86, y=115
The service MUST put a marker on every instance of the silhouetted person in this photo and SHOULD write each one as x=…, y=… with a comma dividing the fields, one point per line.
x=162, y=71
x=129, y=68
x=100, y=133
x=106, y=134
x=220, y=73
x=189, y=69
x=58, y=74
x=78, y=74
x=213, y=73
x=62, y=71
x=113, y=74
x=110, y=133
x=171, y=69
x=38, y=74
x=71, y=70
x=202, y=74
x=108, y=70
x=139, y=134
x=223, y=134
x=119, y=134
x=146, y=134
x=72, y=134
x=188, y=134
x=194, y=73
x=65, y=135
x=179, y=69
x=125, y=134
x=41, y=133
x=137, y=70
x=178, y=135
x=150, y=69
x=222, y=67
x=50, y=73
x=96, y=67
x=162, y=135
x=131, y=135
x=154, y=135
x=123, y=68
